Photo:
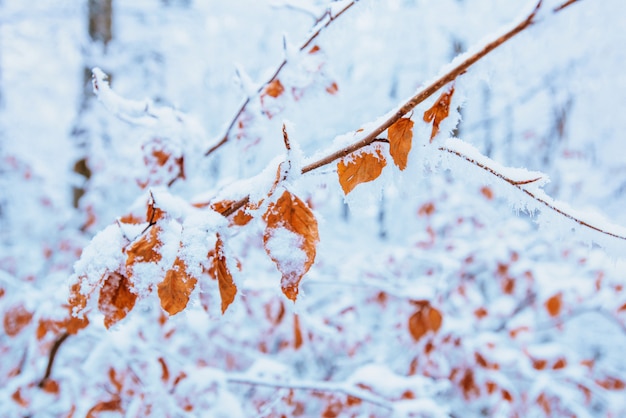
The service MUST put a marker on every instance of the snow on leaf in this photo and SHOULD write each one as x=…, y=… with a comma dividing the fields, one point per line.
x=425, y=319
x=220, y=272
x=360, y=168
x=554, y=304
x=439, y=111
x=290, y=240
x=144, y=250
x=400, y=136
x=153, y=212
x=16, y=319
x=240, y=218
x=116, y=299
x=175, y=289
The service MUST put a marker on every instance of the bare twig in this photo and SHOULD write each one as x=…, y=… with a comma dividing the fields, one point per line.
x=314, y=386
x=564, y=5
x=327, y=14
x=520, y=185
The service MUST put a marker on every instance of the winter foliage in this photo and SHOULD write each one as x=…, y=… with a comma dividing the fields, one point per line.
x=312, y=208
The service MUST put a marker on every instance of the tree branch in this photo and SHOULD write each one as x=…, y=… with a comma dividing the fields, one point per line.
x=242, y=108
x=521, y=186
x=314, y=386
x=427, y=92
x=418, y=98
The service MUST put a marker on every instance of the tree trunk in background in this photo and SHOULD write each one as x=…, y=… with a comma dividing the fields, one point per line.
x=100, y=19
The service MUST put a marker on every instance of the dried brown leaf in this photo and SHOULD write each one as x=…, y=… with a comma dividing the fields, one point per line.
x=16, y=319
x=274, y=89
x=291, y=214
x=425, y=319
x=116, y=299
x=153, y=212
x=553, y=305
x=400, y=136
x=439, y=111
x=240, y=218
x=297, y=332
x=220, y=272
x=144, y=250
x=175, y=289
x=332, y=88
x=360, y=168
x=114, y=405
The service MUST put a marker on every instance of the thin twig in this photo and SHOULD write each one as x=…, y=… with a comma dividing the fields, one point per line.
x=308, y=42
x=314, y=386
x=520, y=184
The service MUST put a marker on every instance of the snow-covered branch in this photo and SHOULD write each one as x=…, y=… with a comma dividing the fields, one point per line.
x=137, y=112
x=457, y=67
x=322, y=22
x=311, y=385
x=530, y=183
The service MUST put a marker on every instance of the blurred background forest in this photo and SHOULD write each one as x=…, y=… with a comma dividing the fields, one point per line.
x=533, y=316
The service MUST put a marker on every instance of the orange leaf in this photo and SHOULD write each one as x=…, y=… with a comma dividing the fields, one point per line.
x=291, y=226
x=220, y=272
x=240, y=218
x=175, y=289
x=77, y=300
x=115, y=381
x=144, y=250
x=16, y=319
x=297, y=332
x=559, y=364
x=360, y=168
x=539, y=364
x=131, y=219
x=468, y=384
x=116, y=299
x=426, y=209
x=165, y=375
x=153, y=213
x=50, y=386
x=400, y=136
x=333, y=88
x=425, y=319
x=274, y=89
x=17, y=397
x=113, y=405
x=611, y=383
x=439, y=111
x=487, y=192
x=554, y=304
